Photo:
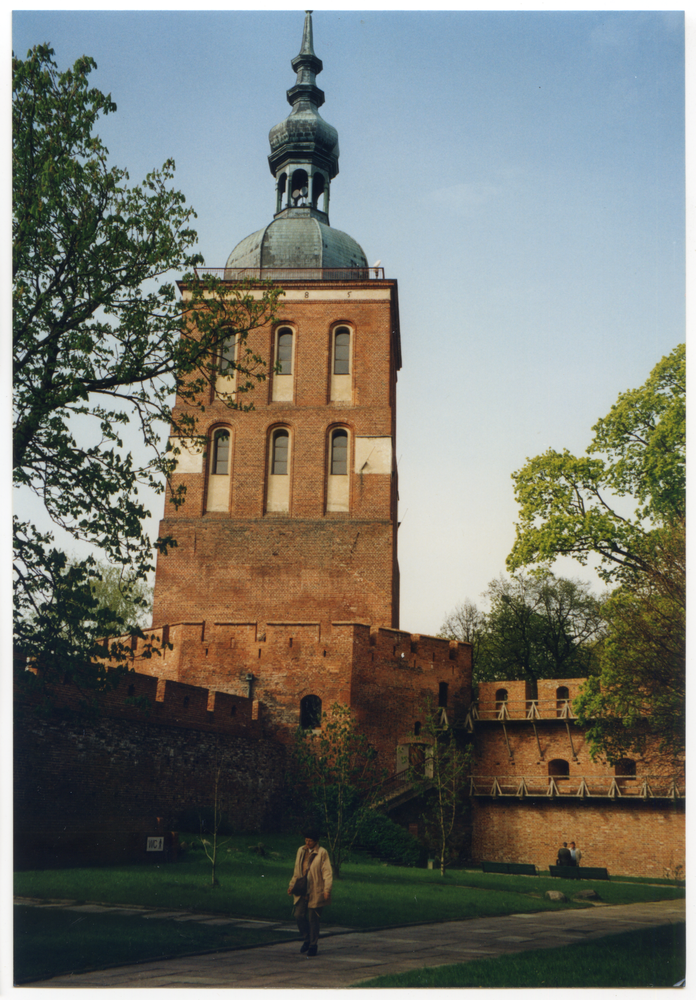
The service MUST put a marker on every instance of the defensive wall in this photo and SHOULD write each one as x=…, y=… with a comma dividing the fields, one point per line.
x=535, y=785
x=95, y=790
x=384, y=674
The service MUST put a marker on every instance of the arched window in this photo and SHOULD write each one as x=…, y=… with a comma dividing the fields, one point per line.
x=281, y=446
x=341, y=381
x=299, y=190
x=559, y=769
x=310, y=712
x=221, y=453
x=342, y=351
x=282, y=184
x=625, y=768
x=226, y=381
x=317, y=189
x=218, y=493
x=416, y=728
x=278, y=487
x=338, y=486
x=339, y=453
x=285, y=351
x=562, y=696
x=442, y=695
x=282, y=375
x=227, y=354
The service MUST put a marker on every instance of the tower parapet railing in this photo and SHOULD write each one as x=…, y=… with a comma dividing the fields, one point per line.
x=281, y=274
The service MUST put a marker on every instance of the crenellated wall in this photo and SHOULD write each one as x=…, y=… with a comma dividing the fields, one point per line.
x=93, y=790
x=384, y=674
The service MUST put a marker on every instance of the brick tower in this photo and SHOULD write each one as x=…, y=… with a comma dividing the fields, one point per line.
x=290, y=514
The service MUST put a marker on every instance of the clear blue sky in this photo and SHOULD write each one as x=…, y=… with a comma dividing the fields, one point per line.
x=520, y=174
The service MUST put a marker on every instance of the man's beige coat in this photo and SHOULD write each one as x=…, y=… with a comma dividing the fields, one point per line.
x=319, y=876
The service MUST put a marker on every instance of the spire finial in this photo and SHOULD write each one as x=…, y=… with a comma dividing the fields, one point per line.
x=307, y=47
x=307, y=65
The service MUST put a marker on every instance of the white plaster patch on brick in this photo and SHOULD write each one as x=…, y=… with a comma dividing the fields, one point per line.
x=190, y=458
x=373, y=455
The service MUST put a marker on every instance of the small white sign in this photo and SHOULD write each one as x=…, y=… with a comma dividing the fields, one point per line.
x=155, y=843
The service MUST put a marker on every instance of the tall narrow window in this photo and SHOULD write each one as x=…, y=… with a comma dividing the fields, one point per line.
x=282, y=376
x=310, y=712
x=285, y=352
x=338, y=486
x=339, y=453
x=227, y=354
x=342, y=352
x=278, y=489
x=221, y=453
x=226, y=381
x=341, y=381
x=218, y=493
x=281, y=441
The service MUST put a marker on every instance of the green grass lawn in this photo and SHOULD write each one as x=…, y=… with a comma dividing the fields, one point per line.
x=51, y=942
x=652, y=957
x=368, y=895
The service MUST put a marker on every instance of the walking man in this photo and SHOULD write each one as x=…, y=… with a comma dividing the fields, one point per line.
x=310, y=887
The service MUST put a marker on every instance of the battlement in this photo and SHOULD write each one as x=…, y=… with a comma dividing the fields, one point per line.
x=250, y=639
x=170, y=703
x=277, y=666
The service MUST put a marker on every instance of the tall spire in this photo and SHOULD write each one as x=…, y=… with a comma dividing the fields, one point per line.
x=304, y=148
x=307, y=64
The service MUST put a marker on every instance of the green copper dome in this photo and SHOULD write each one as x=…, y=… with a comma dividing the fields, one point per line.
x=304, y=161
x=298, y=237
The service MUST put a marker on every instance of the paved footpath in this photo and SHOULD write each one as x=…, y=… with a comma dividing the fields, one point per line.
x=349, y=957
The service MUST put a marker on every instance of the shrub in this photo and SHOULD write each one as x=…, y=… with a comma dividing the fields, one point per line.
x=387, y=840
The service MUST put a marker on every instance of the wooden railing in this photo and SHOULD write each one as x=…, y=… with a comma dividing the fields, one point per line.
x=606, y=786
x=524, y=710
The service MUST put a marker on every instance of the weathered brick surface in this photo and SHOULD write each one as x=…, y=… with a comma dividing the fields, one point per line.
x=627, y=838
x=306, y=564
x=624, y=834
x=83, y=789
x=383, y=673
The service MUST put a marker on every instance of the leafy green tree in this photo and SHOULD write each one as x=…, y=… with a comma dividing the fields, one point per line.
x=440, y=778
x=337, y=775
x=102, y=341
x=628, y=508
x=638, y=701
x=539, y=625
x=127, y=596
x=632, y=480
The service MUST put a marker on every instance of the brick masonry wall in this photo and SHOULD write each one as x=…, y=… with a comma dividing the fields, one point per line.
x=82, y=789
x=627, y=838
x=626, y=835
x=349, y=663
x=395, y=673
x=306, y=564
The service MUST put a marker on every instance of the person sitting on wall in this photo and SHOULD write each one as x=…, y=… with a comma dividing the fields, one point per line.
x=575, y=854
x=564, y=857
x=314, y=874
